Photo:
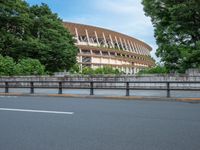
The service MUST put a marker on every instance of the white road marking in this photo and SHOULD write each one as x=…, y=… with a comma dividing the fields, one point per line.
x=37, y=111
x=8, y=96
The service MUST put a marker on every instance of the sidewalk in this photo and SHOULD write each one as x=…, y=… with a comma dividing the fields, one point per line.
x=108, y=97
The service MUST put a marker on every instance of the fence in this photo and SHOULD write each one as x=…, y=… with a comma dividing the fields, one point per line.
x=92, y=85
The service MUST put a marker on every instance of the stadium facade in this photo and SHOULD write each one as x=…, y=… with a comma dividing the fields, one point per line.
x=100, y=47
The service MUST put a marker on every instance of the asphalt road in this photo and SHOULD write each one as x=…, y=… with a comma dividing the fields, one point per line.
x=49, y=123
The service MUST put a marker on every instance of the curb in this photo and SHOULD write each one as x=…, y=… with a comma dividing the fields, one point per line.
x=92, y=96
x=172, y=99
x=192, y=100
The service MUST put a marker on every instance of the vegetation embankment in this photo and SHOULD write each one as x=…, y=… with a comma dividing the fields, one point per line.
x=98, y=71
x=158, y=69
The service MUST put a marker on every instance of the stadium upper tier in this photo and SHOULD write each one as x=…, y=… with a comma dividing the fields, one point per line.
x=100, y=47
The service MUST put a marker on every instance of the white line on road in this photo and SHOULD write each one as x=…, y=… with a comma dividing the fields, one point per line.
x=8, y=96
x=37, y=111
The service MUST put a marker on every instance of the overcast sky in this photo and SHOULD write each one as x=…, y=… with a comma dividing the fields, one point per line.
x=125, y=16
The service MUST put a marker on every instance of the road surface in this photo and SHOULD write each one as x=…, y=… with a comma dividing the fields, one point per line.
x=50, y=123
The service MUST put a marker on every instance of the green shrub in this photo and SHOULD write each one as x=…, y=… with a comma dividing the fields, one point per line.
x=24, y=67
x=88, y=71
x=104, y=70
x=7, y=66
x=99, y=71
x=155, y=70
x=30, y=67
x=75, y=69
x=108, y=70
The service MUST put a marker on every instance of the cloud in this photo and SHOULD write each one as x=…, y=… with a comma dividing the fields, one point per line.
x=125, y=16
x=119, y=7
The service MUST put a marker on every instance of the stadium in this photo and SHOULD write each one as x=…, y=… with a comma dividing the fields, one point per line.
x=100, y=47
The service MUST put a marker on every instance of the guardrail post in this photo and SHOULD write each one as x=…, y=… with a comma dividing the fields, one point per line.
x=91, y=88
x=127, y=89
x=6, y=87
x=32, y=88
x=168, y=90
x=60, y=88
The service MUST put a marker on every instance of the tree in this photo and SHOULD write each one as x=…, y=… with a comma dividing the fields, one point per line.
x=14, y=25
x=58, y=49
x=100, y=71
x=35, y=32
x=88, y=71
x=177, y=31
x=158, y=69
x=30, y=67
x=75, y=69
x=7, y=66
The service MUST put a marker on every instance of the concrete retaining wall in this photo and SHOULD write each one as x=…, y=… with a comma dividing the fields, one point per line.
x=103, y=78
x=107, y=78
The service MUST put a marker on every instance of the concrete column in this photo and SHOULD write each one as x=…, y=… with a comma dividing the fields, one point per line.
x=109, y=59
x=117, y=42
x=139, y=48
x=112, y=41
x=132, y=70
x=135, y=70
x=81, y=65
x=142, y=50
x=138, y=52
x=88, y=39
x=101, y=57
x=148, y=52
x=126, y=45
x=77, y=36
x=121, y=43
x=145, y=51
x=97, y=38
x=105, y=42
x=131, y=49
x=132, y=44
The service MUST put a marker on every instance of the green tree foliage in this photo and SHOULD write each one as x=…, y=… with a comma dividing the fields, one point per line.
x=30, y=67
x=88, y=71
x=108, y=70
x=155, y=70
x=8, y=67
x=75, y=69
x=37, y=33
x=100, y=71
x=177, y=31
x=14, y=25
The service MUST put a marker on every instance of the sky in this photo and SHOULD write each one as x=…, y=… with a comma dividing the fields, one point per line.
x=124, y=16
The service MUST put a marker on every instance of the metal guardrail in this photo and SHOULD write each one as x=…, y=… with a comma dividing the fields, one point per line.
x=31, y=84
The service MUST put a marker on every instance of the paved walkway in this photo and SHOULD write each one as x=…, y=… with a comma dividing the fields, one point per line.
x=106, y=97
